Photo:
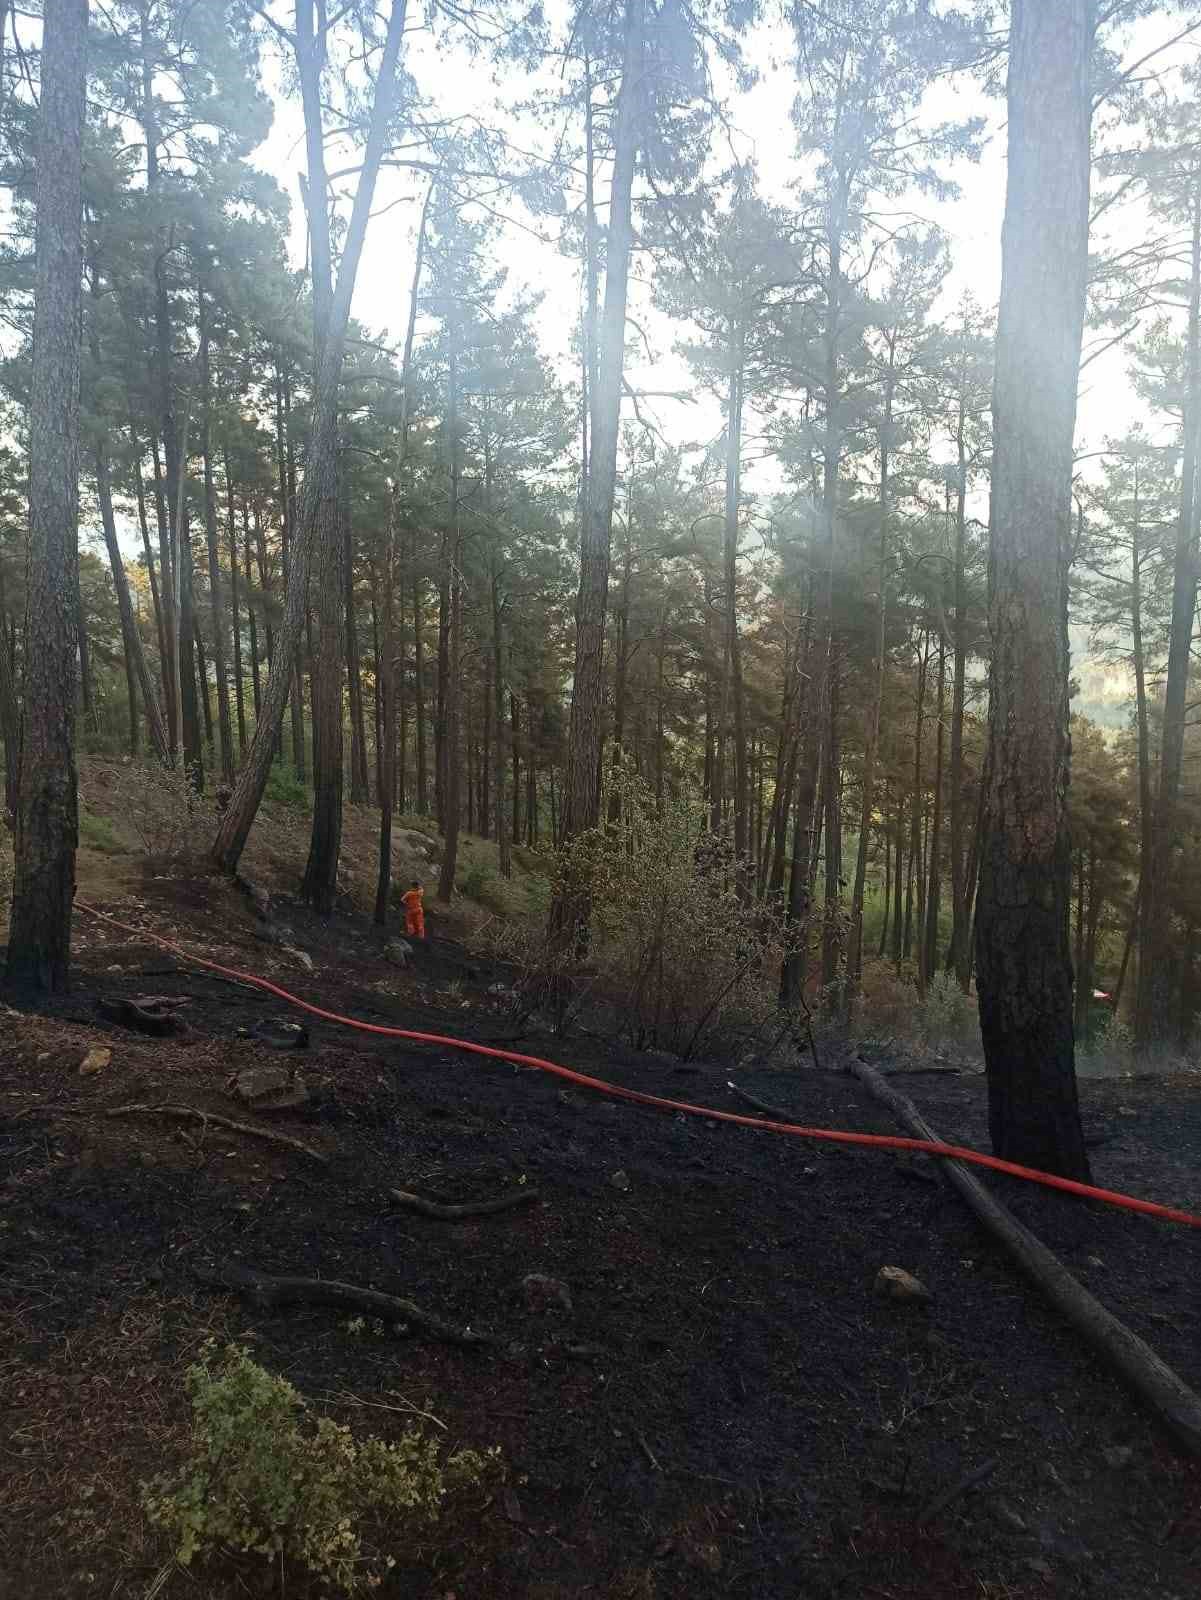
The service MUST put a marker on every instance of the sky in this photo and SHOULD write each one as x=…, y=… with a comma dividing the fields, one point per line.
x=461, y=87
x=761, y=120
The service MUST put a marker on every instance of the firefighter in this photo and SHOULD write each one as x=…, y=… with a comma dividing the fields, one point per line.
x=411, y=900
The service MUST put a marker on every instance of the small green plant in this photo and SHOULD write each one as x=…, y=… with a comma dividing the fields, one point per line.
x=1110, y=1050
x=98, y=833
x=285, y=789
x=947, y=1014
x=476, y=881
x=266, y=1477
x=164, y=809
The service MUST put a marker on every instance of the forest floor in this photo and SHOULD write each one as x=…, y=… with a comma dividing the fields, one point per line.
x=725, y=1410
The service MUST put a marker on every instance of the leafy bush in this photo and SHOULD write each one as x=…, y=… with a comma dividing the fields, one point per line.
x=672, y=942
x=266, y=1478
x=285, y=789
x=163, y=808
x=947, y=1015
x=1110, y=1050
x=98, y=833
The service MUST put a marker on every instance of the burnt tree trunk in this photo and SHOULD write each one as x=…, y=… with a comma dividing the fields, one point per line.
x=1024, y=963
x=39, y=938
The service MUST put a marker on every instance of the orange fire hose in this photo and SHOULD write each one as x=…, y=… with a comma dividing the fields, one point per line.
x=878, y=1141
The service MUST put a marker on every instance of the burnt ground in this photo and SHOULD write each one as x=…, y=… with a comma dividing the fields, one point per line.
x=726, y=1410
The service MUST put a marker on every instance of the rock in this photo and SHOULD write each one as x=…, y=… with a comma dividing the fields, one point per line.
x=1117, y=1456
x=278, y=1033
x=1039, y=1567
x=546, y=1294
x=398, y=952
x=412, y=842
x=574, y=1102
x=620, y=1181
x=271, y=1088
x=302, y=956
x=894, y=1283
x=96, y=1060
x=153, y=1014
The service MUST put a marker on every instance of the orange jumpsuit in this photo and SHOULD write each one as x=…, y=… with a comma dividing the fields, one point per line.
x=411, y=900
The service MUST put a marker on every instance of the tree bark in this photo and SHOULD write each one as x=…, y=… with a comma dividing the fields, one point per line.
x=10, y=727
x=582, y=782
x=1154, y=1010
x=225, y=733
x=256, y=685
x=960, y=955
x=39, y=938
x=1024, y=964
x=231, y=532
x=354, y=673
x=929, y=961
x=737, y=356
x=320, y=480
x=386, y=670
x=131, y=639
x=504, y=848
x=287, y=507
x=867, y=805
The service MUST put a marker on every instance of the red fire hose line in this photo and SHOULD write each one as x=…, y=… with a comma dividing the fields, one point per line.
x=879, y=1141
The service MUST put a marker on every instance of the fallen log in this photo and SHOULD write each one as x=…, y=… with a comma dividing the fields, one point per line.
x=1169, y=1398
x=268, y=1293
x=196, y=1114
x=469, y=1208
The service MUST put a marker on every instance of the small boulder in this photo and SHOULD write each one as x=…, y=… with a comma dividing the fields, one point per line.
x=1117, y=1456
x=96, y=1060
x=619, y=1180
x=271, y=1088
x=301, y=956
x=278, y=1033
x=399, y=952
x=894, y=1283
x=546, y=1294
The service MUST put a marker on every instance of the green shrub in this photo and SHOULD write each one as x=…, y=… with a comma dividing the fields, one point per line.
x=948, y=1016
x=672, y=944
x=284, y=788
x=265, y=1477
x=98, y=833
x=163, y=808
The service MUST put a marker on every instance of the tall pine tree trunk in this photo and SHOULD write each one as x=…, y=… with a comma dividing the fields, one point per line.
x=737, y=357
x=131, y=639
x=319, y=491
x=231, y=534
x=225, y=733
x=868, y=801
x=1024, y=963
x=39, y=936
x=582, y=784
x=959, y=957
x=1154, y=1010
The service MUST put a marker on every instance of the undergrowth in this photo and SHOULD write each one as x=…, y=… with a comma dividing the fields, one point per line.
x=268, y=1478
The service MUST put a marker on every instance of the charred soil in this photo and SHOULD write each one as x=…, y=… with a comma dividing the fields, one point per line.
x=715, y=1405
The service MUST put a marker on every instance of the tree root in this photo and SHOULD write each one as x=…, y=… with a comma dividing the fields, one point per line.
x=268, y=1293
x=1169, y=1398
x=469, y=1208
x=196, y=1114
